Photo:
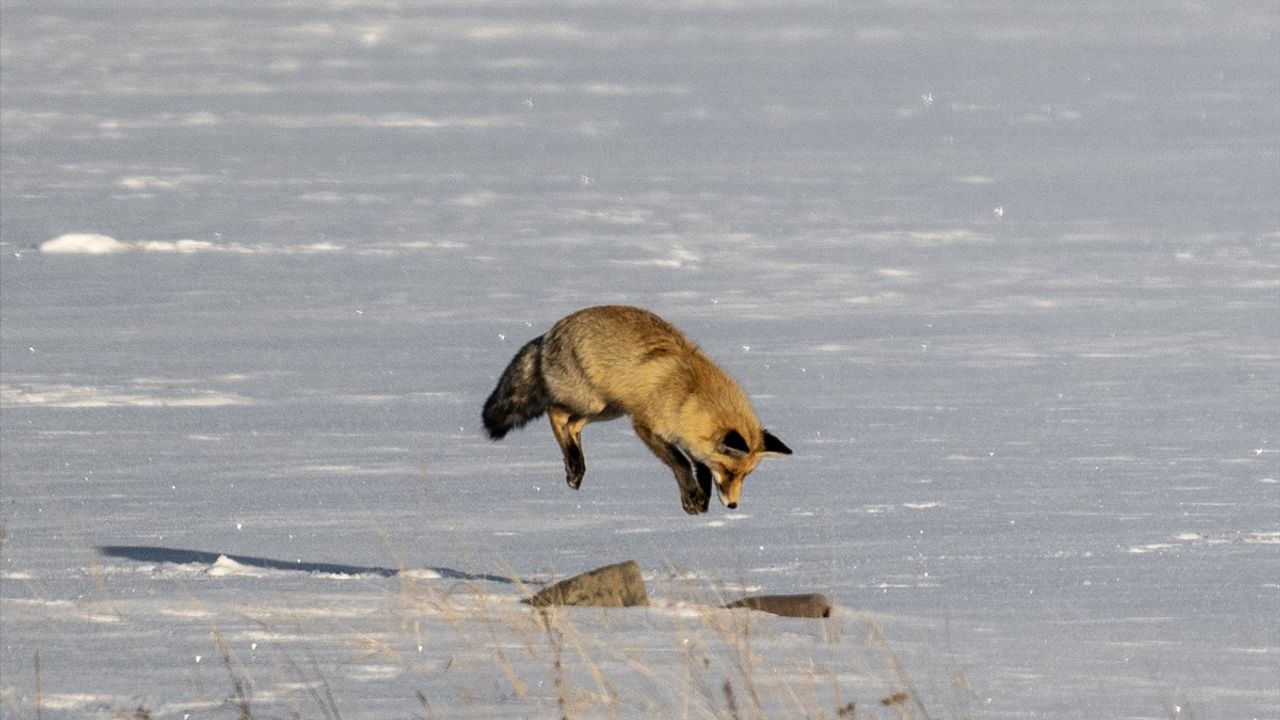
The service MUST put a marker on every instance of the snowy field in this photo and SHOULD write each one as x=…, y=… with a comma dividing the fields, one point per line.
x=1005, y=275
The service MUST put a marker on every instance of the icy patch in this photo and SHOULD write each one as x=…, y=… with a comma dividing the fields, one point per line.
x=398, y=121
x=367, y=399
x=344, y=470
x=880, y=298
x=62, y=610
x=81, y=396
x=688, y=610
x=375, y=672
x=927, y=238
x=84, y=244
x=726, y=519
x=420, y=574
x=430, y=245
x=76, y=701
x=921, y=581
x=186, y=613
x=1150, y=547
x=226, y=567
x=1194, y=539
x=508, y=31
x=677, y=257
x=94, y=244
x=895, y=273
x=144, y=183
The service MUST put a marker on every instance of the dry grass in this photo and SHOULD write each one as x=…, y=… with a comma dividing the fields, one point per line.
x=562, y=662
x=39, y=688
x=239, y=679
x=471, y=645
x=558, y=660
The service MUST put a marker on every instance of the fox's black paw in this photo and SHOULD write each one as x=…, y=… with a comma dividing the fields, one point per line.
x=694, y=504
x=575, y=466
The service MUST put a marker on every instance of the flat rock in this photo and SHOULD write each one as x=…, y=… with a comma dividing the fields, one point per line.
x=618, y=585
x=806, y=605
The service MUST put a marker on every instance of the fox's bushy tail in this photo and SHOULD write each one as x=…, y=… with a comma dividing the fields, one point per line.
x=521, y=394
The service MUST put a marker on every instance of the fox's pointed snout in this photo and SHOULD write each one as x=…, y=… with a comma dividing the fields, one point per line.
x=728, y=495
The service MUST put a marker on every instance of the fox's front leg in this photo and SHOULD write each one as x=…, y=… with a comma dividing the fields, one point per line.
x=568, y=431
x=703, y=475
x=695, y=494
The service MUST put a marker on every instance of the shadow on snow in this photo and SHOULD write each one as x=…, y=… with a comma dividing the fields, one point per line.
x=146, y=553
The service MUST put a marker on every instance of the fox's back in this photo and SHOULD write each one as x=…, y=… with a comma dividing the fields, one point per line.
x=639, y=364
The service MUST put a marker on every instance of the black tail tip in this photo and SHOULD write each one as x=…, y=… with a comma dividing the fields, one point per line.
x=496, y=432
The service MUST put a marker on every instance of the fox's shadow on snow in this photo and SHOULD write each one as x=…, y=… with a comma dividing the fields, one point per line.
x=151, y=554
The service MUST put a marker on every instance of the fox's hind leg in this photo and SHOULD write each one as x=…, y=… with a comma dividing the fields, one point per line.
x=568, y=431
x=695, y=495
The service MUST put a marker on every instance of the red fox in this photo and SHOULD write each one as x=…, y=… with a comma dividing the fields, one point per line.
x=605, y=362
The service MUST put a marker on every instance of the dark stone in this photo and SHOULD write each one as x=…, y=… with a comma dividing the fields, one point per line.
x=807, y=605
x=618, y=585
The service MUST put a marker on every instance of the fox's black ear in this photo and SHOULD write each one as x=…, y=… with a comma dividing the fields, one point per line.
x=774, y=446
x=734, y=442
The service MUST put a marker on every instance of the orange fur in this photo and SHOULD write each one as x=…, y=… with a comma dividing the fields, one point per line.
x=604, y=362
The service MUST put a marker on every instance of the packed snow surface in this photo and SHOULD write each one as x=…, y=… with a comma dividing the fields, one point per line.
x=1005, y=276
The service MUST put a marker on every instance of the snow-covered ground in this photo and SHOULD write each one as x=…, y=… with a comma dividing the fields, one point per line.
x=1006, y=276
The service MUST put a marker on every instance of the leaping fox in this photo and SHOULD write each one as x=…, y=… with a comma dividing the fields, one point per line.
x=604, y=362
